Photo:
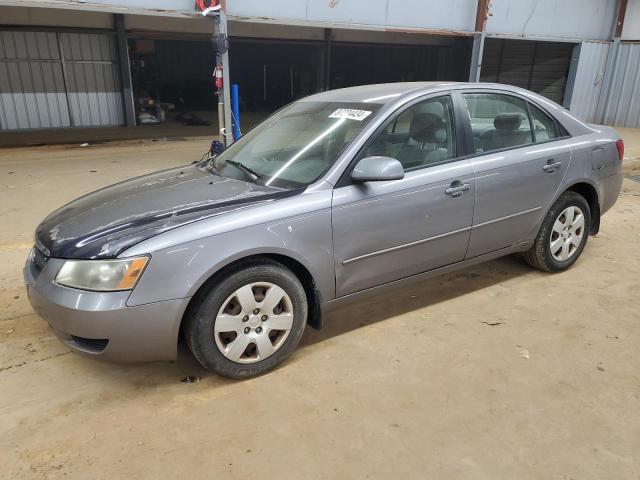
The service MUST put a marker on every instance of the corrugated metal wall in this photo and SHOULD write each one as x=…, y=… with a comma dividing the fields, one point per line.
x=588, y=80
x=538, y=66
x=50, y=80
x=619, y=103
x=93, y=85
x=32, y=93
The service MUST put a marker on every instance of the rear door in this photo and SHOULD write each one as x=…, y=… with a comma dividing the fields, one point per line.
x=520, y=156
x=384, y=231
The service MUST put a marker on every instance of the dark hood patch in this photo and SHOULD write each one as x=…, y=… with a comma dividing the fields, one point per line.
x=104, y=223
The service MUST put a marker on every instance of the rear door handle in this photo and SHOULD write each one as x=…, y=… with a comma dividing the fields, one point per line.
x=551, y=167
x=456, y=189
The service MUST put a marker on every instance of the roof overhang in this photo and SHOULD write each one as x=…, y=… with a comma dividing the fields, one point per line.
x=99, y=7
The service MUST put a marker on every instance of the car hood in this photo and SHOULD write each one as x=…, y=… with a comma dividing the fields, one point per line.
x=104, y=223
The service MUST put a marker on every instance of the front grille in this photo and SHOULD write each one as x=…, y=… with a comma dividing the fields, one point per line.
x=38, y=262
x=94, y=345
x=39, y=259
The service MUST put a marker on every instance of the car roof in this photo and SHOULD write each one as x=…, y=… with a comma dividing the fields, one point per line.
x=378, y=93
x=383, y=93
x=389, y=94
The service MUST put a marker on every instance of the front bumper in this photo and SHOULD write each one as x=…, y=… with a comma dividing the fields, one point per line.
x=100, y=324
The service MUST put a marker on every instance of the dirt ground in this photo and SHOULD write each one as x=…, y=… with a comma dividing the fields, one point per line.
x=494, y=372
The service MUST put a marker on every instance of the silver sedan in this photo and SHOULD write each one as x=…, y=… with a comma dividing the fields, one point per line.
x=338, y=195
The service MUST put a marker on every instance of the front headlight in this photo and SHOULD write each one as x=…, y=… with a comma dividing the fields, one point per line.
x=102, y=275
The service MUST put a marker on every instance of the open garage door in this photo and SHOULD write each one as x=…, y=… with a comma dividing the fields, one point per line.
x=364, y=63
x=272, y=73
x=541, y=67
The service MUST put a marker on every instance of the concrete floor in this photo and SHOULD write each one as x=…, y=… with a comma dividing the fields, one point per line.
x=428, y=382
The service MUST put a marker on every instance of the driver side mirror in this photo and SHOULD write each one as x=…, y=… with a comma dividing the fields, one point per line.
x=377, y=168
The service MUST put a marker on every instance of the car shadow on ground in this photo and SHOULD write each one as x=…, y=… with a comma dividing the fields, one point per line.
x=400, y=301
x=390, y=304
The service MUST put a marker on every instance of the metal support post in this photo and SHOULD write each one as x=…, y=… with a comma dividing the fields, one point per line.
x=125, y=71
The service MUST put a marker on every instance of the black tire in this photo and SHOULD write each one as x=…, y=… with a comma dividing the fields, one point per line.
x=540, y=256
x=199, y=327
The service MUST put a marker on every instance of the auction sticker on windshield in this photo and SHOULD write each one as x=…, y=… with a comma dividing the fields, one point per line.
x=350, y=114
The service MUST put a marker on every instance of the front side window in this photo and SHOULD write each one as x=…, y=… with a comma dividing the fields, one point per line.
x=498, y=121
x=419, y=136
x=295, y=146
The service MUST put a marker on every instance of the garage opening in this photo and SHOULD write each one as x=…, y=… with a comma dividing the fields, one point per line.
x=541, y=67
x=273, y=73
x=172, y=81
x=363, y=63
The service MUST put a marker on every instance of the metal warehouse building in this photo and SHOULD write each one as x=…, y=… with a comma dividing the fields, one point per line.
x=89, y=64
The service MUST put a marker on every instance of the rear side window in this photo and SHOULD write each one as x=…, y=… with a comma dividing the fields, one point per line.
x=498, y=121
x=544, y=127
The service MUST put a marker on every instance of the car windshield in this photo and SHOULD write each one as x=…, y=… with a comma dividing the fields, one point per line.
x=296, y=145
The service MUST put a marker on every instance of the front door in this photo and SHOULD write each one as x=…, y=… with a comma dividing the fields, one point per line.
x=387, y=230
x=518, y=169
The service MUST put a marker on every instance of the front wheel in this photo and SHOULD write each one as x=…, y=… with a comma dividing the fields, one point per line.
x=249, y=322
x=563, y=234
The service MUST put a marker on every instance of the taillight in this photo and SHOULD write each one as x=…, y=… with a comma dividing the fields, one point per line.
x=620, y=147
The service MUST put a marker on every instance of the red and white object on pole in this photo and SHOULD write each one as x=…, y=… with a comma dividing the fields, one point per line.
x=217, y=75
x=206, y=6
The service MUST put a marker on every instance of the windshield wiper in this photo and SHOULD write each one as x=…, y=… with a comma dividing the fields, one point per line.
x=252, y=174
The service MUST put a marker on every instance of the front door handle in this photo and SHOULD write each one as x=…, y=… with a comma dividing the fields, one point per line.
x=552, y=167
x=457, y=188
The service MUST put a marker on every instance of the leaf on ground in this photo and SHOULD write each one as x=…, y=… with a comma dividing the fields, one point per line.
x=492, y=323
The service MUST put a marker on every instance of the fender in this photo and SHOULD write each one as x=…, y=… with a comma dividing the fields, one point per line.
x=182, y=260
x=531, y=234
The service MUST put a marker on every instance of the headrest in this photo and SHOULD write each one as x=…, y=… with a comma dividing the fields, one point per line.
x=428, y=128
x=434, y=107
x=508, y=121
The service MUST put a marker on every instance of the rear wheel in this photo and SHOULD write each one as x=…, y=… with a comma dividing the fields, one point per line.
x=563, y=234
x=249, y=322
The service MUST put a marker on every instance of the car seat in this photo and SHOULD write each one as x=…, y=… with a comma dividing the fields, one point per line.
x=427, y=141
x=506, y=133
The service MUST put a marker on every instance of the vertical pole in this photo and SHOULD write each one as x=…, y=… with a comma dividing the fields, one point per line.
x=264, y=82
x=321, y=66
x=622, y=11
x=571, y=78
x=609, y=72
x=221, y=130
x=476, y=57
x=327, y=59
x=612, y=64
x=482, y=13
x=532, y=67
x=226, y=80
x=291, y=80
x=65, y=80
x=125, y=71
